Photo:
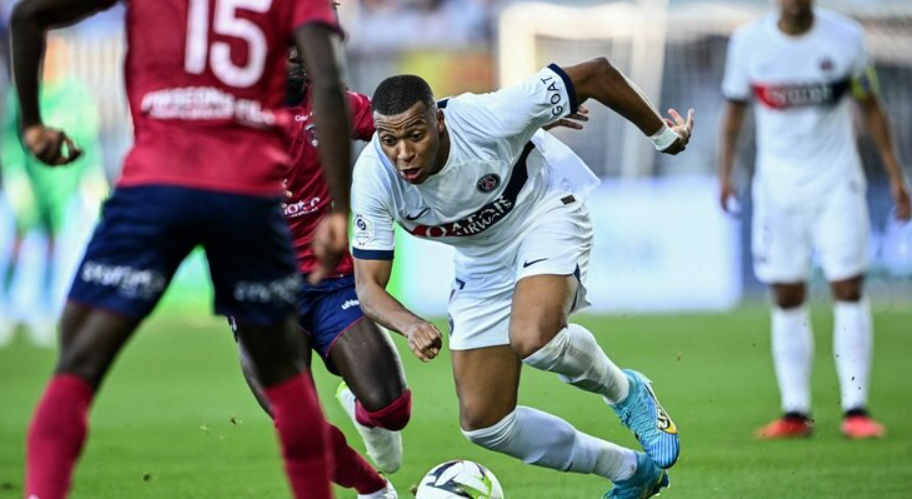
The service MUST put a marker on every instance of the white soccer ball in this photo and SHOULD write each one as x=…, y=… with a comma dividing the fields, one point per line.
x=459, y=479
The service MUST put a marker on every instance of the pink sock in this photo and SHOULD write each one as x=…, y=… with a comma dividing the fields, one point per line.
x=303, y=435
x=56, y=436
x=393, y=417
x=351, y=470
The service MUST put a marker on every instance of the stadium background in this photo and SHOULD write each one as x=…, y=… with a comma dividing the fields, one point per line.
x=671, y=278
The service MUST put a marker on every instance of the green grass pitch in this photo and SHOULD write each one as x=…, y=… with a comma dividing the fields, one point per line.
x=175, y=419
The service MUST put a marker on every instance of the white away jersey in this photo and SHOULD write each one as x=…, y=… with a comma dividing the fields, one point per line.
x=502, y=169
x=801, y=86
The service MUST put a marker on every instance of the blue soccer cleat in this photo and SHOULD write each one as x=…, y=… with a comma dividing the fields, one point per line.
x=647, y=481
x=642, y=413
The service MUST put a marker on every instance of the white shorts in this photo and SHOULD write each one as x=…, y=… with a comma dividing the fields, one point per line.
x=785, y=238
x=557, y=243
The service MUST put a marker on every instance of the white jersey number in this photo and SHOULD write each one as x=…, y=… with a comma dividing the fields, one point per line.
x=225, y=23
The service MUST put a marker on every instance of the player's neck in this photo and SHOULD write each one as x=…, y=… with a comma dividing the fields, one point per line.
x=796, y=25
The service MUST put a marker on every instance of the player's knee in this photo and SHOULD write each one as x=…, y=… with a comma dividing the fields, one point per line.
x=496, y=436
x=848, y=290
x=530, y=338
x=393, y=416
x=789, y=295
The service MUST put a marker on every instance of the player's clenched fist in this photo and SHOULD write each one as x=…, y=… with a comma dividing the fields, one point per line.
x=50, y=145
x=424, y=339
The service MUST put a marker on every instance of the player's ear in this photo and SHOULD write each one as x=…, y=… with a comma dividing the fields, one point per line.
x=441, y=126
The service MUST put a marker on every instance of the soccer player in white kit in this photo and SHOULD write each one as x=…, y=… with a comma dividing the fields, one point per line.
x=476, y=173
x=802, y=68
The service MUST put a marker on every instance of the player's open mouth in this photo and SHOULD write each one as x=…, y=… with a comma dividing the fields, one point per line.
x=410, y=174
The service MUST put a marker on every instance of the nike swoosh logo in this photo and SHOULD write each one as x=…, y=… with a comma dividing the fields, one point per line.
x=416, y=217
x=533, y=262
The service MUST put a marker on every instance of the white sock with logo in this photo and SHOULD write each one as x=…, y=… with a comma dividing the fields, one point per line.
x=793, y=357
x=580, y=361
x=853, y=345
x=546, y=440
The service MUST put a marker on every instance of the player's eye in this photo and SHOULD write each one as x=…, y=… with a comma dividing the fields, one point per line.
x=389, y=141
x=417, y=135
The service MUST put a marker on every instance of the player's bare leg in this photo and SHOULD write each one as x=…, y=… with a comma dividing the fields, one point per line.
x=541, y=335
x=853, y=346
x=350, y=470
x=487, y=382
x=793, y=358
x=90, y=340
x=374, y=394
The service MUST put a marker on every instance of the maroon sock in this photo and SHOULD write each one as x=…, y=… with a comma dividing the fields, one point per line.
x=393, y=417
x=351, y=470
x=303, y=436
x=56, y=436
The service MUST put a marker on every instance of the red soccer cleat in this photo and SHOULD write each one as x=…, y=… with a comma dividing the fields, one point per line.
x=858, y=426
x=788, y=426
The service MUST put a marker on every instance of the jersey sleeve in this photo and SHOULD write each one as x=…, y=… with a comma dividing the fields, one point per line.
x=362, y=118
x=863, y=77
x=312, y=11
x=519, y=111
x=736, y=82
x=373, y=235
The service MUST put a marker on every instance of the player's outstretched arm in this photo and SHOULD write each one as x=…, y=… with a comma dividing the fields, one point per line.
x=732, y=124
x=598, y=79
x=28, y=25
x=879, y=126
x=371, y=278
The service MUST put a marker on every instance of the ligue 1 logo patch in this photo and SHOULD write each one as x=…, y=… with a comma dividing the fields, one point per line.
x=488, y=183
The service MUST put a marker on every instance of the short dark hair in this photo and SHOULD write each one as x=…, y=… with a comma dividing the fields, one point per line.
x=397, y=94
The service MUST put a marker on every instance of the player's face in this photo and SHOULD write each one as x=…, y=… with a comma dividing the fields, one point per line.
x=795, y=9
x=411, y=141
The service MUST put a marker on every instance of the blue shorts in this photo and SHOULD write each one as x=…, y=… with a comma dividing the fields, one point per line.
x=145, y=233
x=327, y=310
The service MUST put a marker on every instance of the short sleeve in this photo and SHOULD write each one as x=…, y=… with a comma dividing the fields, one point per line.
x=372, y=235
x=736, y=82
x=362, y=118
x=312, y=11
x=524, y=108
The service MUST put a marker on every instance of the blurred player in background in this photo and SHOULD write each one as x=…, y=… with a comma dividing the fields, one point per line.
x=42, y=197
x=374, y=393
x=205, y=81
x=476, y=173
x=803, y=67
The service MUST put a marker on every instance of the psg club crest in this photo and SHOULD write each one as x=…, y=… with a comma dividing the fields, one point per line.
x=826, y=64
x=488, y=183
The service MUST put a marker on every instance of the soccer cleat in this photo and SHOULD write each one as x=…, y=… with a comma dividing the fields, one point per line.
x=647, y=481
x=642, y=413
x=384, y=447
x=388, y=492
x=858, y=425
x=791, y=425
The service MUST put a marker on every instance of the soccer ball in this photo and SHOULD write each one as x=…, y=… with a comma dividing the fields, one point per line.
x=459, y=479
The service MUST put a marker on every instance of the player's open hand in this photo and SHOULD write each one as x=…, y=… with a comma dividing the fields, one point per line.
x=575, y=121
x=329, y=245
x=51, y=146
x=684, y=129
x=424, y=339
x=900, y=192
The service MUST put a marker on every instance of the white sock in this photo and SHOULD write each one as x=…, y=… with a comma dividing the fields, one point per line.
x=793, y=357
x=853, y=344
x=580, y=361
x=545, y=440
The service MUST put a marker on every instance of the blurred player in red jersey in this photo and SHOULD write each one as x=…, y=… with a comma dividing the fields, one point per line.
x=374, y=392
x=205, y=81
